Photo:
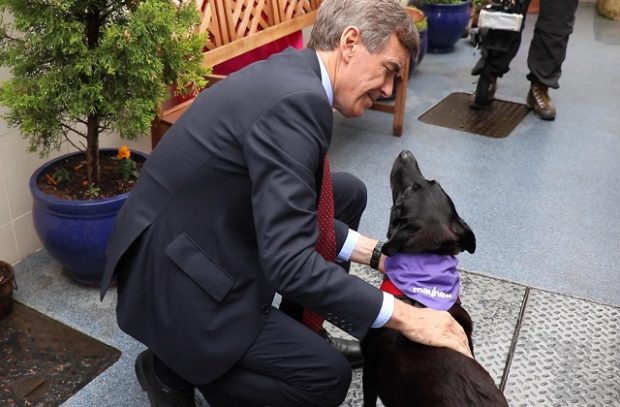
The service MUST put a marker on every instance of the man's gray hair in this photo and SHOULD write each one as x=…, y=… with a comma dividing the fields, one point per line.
x=376, y=20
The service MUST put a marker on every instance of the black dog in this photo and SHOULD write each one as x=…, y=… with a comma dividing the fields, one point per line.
x=401, y=372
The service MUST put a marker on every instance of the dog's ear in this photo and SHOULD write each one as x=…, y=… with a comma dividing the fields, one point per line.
x=398, y=235
x=467, y=239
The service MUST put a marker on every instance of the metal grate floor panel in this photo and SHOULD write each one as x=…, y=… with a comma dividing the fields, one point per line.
x=544, y=349
x=44, y=361
x=497, y=120
x=494, y=307
x=567, y=354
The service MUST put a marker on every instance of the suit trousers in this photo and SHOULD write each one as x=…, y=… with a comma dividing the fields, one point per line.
x=547, y=51
x=288, y=365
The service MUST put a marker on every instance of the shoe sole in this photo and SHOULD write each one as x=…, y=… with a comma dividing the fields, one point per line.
x=541, y=115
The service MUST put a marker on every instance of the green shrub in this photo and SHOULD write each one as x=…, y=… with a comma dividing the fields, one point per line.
x=85, y=67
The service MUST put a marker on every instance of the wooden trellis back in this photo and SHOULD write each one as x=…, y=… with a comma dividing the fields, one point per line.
x=229, y=20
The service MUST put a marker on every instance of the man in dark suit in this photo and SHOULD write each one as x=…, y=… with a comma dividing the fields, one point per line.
x=224, y=215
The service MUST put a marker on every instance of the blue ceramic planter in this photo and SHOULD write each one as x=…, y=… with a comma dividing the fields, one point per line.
x=446, y=25
x=75, y=233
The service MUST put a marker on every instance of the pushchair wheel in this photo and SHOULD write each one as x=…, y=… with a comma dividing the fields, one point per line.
x=482, y=97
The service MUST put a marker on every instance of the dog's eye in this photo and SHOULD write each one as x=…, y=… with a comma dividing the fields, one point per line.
x=411, y=188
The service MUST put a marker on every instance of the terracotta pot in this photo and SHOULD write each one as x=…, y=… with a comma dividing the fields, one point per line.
x=7, y=279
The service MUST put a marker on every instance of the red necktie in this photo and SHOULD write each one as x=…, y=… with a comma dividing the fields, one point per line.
x=326, y=243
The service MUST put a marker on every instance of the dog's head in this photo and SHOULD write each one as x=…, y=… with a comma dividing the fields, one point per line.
x=423, y=217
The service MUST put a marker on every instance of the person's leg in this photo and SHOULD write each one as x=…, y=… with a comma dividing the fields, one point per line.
x=349, y=203
x=547, y=53
x=350, y=198
x=496, y=54
x=547, y=50
x=498, y=61
x=288, y=365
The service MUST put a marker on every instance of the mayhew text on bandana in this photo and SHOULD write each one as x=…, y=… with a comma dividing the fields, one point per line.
x=433, y=293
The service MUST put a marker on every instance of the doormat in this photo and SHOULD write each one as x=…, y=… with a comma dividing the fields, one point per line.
x=497, y=120
x=44, y=362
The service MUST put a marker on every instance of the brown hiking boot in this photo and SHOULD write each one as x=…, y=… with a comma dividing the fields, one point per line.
x=538, y=100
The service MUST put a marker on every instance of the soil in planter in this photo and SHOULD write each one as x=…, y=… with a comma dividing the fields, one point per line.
x=76, y=187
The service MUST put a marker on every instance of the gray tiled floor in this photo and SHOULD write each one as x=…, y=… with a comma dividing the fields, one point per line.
x=545, y=349
x=542, y=202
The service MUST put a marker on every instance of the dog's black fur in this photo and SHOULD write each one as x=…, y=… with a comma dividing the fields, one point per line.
x=401, y=372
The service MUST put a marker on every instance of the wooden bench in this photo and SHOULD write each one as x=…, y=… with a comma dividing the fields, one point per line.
x=237, y=27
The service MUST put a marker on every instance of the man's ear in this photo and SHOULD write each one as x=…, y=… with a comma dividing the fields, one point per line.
x=350, y=37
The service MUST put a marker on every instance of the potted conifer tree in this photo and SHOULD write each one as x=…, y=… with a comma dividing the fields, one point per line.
x=82, y=69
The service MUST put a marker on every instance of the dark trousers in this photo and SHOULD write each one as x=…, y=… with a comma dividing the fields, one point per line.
x=547, y=51
x=288, y=365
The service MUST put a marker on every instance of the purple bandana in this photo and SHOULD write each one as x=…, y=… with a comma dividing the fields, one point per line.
x=430, y=279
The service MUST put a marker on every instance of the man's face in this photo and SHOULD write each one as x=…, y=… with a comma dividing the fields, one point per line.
x=366, y=77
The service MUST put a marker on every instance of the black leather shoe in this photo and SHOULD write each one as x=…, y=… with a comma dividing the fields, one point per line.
x=539, y=101
x=349, y=348
x=159, y=394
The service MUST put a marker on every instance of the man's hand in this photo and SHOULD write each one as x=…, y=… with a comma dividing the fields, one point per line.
x=429, y=327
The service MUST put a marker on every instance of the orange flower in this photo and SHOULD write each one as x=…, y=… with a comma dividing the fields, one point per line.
x=123, y=152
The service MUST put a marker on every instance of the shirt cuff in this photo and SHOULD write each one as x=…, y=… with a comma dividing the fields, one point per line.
x=347, y=248
x=386, y=311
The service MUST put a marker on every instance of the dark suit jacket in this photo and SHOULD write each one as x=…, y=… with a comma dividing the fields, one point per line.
x=224, y=215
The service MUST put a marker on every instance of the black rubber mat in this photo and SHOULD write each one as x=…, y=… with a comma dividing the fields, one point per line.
x=44, y=362
x=497, y=120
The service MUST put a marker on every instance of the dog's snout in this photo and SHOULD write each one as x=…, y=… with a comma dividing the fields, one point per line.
x=406, y=155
